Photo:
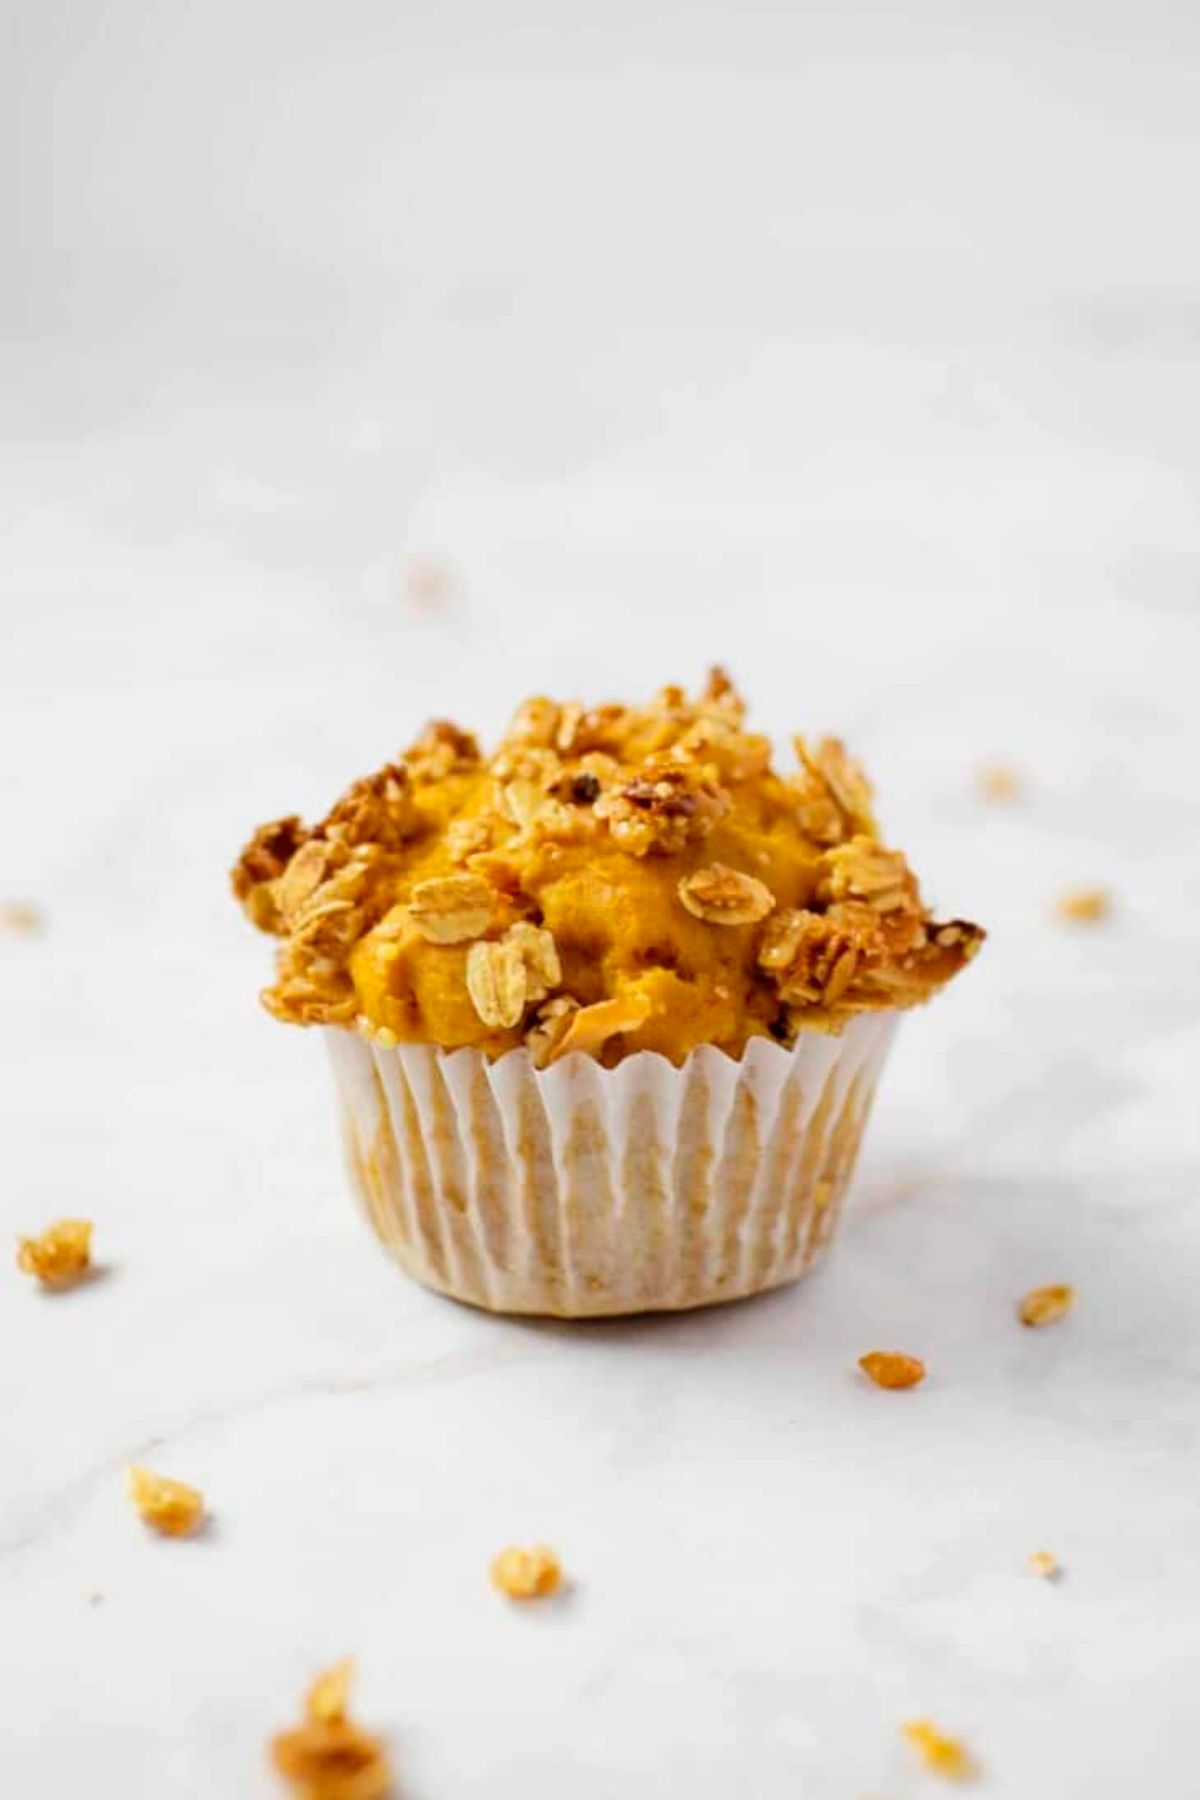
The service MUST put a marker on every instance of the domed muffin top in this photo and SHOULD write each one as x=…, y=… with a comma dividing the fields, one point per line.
x=613, y=879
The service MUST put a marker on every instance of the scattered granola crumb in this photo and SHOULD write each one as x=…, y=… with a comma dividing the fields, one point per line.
x=996, y=781
x=892, y=1369
x=1083, y=906
x=430, y=587
x=328, y=1699
x=943, y=1755
x=327, y=1756
x=20, y=917
x=170, y=1507
x=1042, y=1306
x=526, y=1574
x=61, y=1256
x=1045, y=1564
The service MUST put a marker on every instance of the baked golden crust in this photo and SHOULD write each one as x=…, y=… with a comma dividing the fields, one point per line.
x=613, y=879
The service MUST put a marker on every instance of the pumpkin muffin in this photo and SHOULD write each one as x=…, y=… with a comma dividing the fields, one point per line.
x=607, y=1007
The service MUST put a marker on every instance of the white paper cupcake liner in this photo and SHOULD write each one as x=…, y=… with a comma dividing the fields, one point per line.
x=582, y=1191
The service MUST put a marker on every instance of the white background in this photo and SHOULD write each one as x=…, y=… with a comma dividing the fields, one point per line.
x=860, y=348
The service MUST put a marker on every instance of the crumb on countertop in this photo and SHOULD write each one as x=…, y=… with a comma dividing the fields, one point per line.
x=527, y=1574
x=998, y=782
x=61, y=1256
x=169, y=1507
x=1083, y=906
x=1042, y=1306
x=892, y=1368
x=327, y=1756
x=942, y=1755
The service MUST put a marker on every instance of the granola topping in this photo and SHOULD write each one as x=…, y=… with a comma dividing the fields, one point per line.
x=811, y=957
x=466, y=837
x=591, y=861
x=550, y=1025
x=722, y=896
x=589, y=1028
x=833, y=795
x=452, y=909
x=376, y=810
x=665, y=808
x=505, y=977
x=864, y=870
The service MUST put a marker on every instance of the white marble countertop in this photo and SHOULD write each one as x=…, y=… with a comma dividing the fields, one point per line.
x=864, y=356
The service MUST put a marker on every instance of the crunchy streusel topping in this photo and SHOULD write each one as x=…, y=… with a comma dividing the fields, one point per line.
x=725, y=897
x=833, y=795
x=551, y=1022
x=591, y=1028
x=452, y=909
x=599, y=859
x=663, y=808
x=506, y=977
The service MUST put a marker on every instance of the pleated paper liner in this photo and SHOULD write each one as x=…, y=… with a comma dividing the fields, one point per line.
x=580, y=1191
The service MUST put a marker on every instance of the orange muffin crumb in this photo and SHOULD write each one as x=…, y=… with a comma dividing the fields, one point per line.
x=170, y=1507
x=19, y=917
x=943, y=1755
x=327, y=1756
x=892, y=1368
x=1042, y=1306
x=61, y=1256
x=1044, y=1564
x=1083, y=906
x=526, y=1574
x=997, y=782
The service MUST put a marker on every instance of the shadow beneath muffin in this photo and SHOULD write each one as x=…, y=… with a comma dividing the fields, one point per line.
x=719, y=1318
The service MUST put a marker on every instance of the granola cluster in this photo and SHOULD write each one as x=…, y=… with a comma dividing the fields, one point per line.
x=61, y=1256
x=172, y=1508
x=612, y=879
x=527, y=1574
x=328, y=1756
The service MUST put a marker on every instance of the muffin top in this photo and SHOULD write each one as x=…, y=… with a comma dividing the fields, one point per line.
x=613, y=879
